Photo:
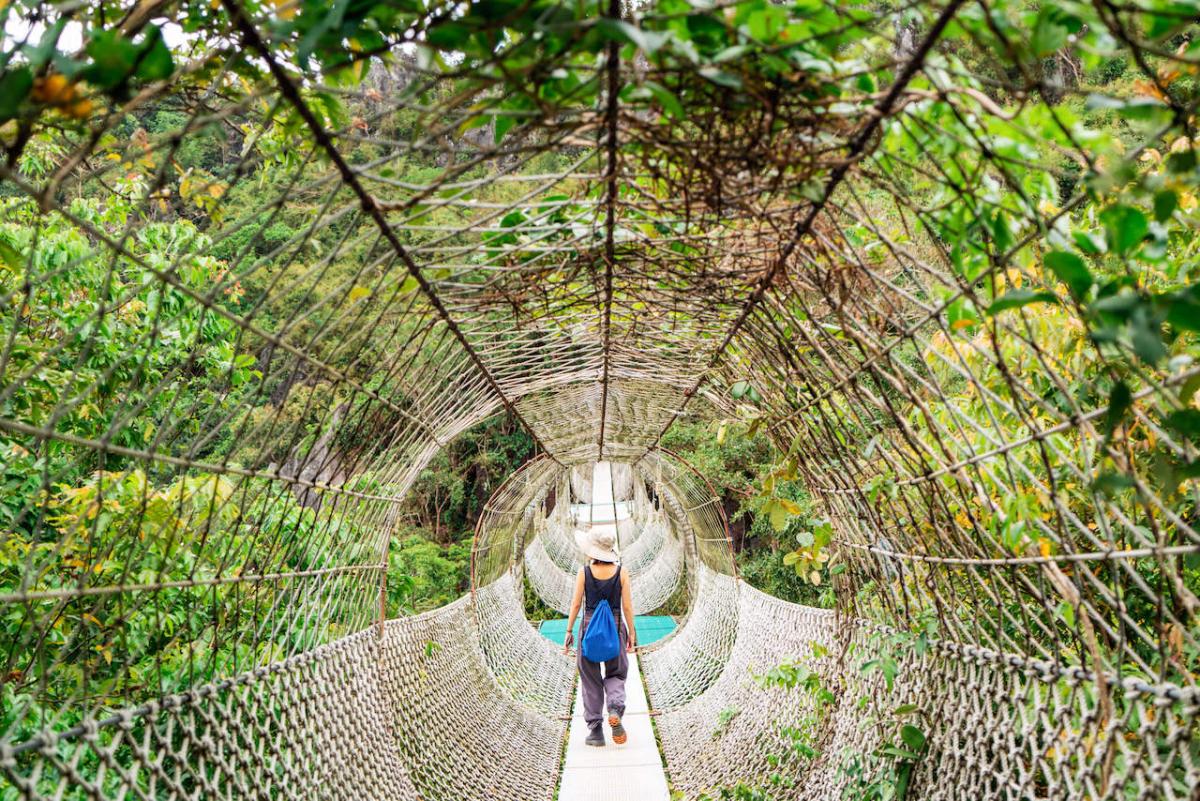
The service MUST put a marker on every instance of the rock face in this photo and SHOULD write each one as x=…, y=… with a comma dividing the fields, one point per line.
x=907, y=38
x=1060, y=75
x=320, y=465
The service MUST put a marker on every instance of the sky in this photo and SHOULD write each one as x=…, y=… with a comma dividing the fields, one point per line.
x=19, y=26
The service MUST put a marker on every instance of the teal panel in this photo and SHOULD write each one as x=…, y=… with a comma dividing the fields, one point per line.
x=650, y=628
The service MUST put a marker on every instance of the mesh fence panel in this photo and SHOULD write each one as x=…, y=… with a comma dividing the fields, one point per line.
x=259, y=263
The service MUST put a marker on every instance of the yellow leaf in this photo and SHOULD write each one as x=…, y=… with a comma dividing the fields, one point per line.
x=1044, y=547
x=358, y=293
x=1175, y=639
x=286, y=9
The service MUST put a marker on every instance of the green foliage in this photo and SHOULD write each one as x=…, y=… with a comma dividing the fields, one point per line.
x=729, y=463
x=886, y=772
x=424, y=575
x=784, y=546
x=118, y=529
x=768, y=568
x=116, y=348
x=52, y=294
x=536, y=610
x=726, y=717
x=801, y=741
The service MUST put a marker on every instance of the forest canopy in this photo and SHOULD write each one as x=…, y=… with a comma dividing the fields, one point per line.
x=288, y=290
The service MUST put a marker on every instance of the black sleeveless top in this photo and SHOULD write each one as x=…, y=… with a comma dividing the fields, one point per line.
x=596, y=590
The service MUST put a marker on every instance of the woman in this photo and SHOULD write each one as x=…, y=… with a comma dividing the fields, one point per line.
x=601, y=579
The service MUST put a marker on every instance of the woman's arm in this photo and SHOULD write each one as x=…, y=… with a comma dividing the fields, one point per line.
x=627, y=607
x=576, y=602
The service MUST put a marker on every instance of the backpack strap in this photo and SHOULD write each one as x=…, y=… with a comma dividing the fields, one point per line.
x=589, y=584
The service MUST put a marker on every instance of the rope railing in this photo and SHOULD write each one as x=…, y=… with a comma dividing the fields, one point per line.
x=261, y=263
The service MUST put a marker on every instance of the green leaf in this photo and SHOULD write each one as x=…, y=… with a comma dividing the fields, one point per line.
x=1167, y=19
x=889, y=668
x=512, y=219
x=113, y=59
x=1001, y=233
x=15, y=85
x=1119, y=401
x=621, y=31
x=10, y=255
x=1121, y=305
x=961, y=315
x=155, y=63
x=1146, y=338
x=1183, y=308
x=1071, y=270
x=721, y=78
x=1048, y=35
x=739, y=389
x=779, y=516
x=667, y=99
x=913, y=737
x=1188, y=390
x=1018, y=298
x=1125, y=227
x=813, y=189
x=1109, y=484
x=1165, y=203
x=767, y=23
x=730, y=53
x=504, y=123
x=1143, y=109
x=805, y=539
x=448, y=35
x=905, y=709
x=1183, y=161
x=1089, y=243
x=1185, y=422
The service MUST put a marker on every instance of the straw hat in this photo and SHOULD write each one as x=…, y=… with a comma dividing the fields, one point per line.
x=598, y=542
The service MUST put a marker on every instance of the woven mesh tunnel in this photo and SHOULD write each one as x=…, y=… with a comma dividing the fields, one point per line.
x=261, y=263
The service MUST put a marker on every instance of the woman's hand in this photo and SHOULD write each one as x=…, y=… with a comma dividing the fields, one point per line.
x=568, y=642
x=631, y=646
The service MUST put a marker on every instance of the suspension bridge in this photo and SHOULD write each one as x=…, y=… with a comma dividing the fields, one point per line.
x=263, y=265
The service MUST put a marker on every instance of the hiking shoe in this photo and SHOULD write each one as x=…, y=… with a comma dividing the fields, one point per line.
x=595, y=736
x=619, y=735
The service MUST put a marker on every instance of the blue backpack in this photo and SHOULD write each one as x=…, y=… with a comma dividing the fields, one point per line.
x=600, y=641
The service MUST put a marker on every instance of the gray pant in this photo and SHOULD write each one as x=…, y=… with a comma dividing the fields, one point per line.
x=595, y=686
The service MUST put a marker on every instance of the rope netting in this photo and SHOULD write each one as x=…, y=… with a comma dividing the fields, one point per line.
x=651, y=553
x=261, y=262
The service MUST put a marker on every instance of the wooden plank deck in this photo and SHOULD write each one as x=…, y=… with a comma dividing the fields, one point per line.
x=615, y=772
